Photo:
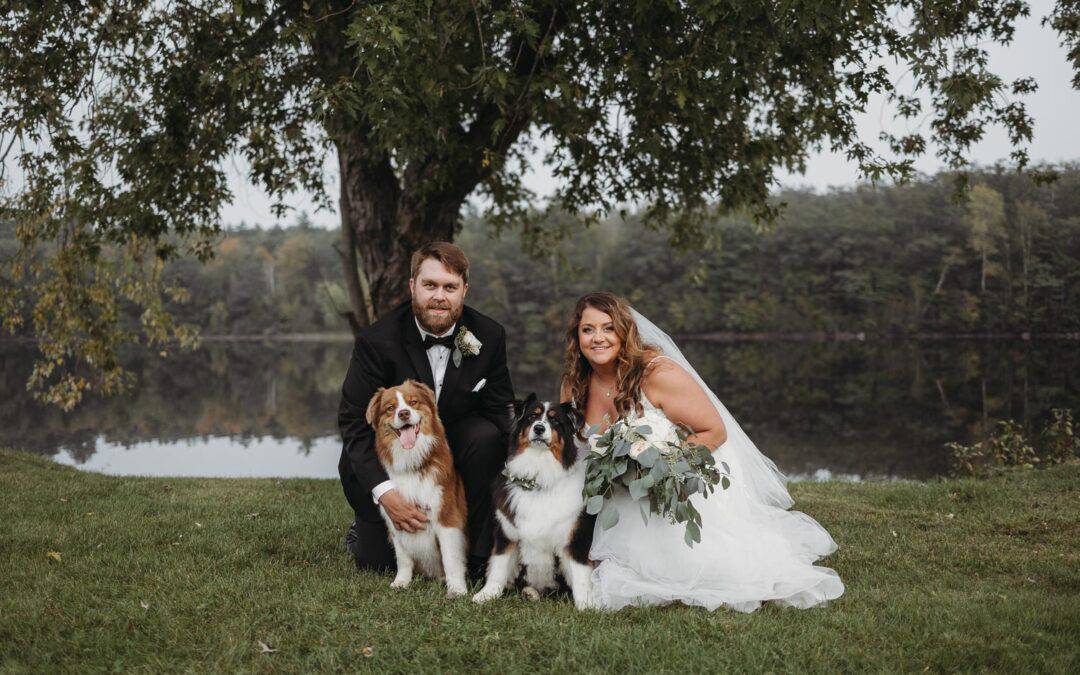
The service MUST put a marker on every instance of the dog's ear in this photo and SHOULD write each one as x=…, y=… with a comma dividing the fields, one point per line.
x=577, y=419
x=427, y=392
x=521, y=404
x=373, y=406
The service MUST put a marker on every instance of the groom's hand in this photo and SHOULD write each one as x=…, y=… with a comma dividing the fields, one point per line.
x=404, y=514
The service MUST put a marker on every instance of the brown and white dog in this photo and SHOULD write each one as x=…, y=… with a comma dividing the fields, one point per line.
x=411, y=445
x=539, y=510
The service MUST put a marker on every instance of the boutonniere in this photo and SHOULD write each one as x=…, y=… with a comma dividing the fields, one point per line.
x=520, y=481
x=465, y=343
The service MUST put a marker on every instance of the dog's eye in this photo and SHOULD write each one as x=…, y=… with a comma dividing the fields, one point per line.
x=551, y=414
x=389, y=407
x=413, y=401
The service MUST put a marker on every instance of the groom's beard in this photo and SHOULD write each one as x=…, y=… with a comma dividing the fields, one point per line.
x=434, y=323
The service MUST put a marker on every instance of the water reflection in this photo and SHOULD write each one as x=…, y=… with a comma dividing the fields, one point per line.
x=821, y=410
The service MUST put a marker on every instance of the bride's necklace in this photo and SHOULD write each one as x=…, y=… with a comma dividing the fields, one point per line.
x=607, y=391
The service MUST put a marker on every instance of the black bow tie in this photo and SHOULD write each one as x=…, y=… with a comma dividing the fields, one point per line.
x=445, y=341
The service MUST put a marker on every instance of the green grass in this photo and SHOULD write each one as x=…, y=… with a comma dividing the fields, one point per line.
x=994, y=586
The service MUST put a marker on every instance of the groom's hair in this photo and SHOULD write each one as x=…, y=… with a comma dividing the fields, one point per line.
x=448, y=254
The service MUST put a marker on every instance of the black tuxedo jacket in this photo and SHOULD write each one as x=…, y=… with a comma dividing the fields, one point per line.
x=390, y=351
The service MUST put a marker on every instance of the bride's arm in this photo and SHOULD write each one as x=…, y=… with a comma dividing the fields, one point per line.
x=670, y=387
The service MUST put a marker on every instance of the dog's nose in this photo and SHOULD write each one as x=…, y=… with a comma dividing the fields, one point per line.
x=403, y=414
x=538, y=429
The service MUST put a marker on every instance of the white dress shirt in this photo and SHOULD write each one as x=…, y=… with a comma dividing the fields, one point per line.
x=438, y=356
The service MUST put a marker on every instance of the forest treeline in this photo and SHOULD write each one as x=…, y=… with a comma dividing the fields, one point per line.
x=886, y=260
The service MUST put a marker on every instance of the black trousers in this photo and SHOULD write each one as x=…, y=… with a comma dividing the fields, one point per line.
x=479, y=451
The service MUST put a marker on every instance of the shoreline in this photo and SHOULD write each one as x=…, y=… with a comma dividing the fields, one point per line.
x=712, y=336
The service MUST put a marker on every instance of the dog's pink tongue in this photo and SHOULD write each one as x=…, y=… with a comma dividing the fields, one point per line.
x=408, y=437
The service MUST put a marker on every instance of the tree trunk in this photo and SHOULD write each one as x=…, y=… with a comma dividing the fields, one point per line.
x=384, y=225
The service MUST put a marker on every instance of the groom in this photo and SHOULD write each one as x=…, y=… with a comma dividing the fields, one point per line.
x=418, y=341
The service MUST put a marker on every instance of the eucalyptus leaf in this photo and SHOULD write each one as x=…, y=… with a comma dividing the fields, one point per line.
x=594, y=504
x=692, y=534
x=648, y=458
x=638, y=489
x=609, y=517
x=725, y=483
x=659, y=470
x=622, y=448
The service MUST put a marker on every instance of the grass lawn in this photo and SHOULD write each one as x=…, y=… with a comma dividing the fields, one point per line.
x=192, y=574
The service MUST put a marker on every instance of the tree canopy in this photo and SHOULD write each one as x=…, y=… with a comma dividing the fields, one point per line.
x=120, y=116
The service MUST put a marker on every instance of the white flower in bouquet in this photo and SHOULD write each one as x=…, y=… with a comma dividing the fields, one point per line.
x=662, y=433
x=594, y=446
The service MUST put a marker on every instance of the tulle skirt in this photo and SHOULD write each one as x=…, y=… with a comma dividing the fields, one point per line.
x=749, y=553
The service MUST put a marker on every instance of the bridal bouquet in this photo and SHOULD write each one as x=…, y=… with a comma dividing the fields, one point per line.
x=651, y=457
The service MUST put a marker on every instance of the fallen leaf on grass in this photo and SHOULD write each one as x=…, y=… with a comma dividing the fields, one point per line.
x=951, y=516
x=55, y=555
x=368, y=652
x=265, y=648
x=88, y=514
x=166, y=487
x=253, y=516
x=144, y=604
x=198, y=524
x=894, y=533
x=64, y=500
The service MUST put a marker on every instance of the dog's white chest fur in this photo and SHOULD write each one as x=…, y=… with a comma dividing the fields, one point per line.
x=421, y=546
x=545, y=516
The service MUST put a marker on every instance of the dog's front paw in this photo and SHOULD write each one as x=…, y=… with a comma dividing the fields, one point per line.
x=530, y=593
x=485, y=595
x=584, y=601
x=456, y=589
x=400, y=582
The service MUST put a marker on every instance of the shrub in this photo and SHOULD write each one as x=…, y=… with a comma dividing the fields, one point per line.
x=1057, y=442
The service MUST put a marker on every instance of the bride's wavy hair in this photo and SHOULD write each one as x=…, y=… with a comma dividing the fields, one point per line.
x=630, y=361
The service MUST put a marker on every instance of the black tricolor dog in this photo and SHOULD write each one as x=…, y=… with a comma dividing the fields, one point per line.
x=539, y=510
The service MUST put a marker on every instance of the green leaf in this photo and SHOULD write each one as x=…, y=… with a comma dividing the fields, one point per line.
x=725, y=483
x=609, y=517
x=595, y=503
x=638, y=488
x=622, y=448
x=397, y=36
x=692, y=534
x=648, y=458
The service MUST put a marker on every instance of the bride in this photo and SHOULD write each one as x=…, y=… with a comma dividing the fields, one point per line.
x=752, y=549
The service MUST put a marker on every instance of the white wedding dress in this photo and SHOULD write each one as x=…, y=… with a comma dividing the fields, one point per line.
x=752, y=549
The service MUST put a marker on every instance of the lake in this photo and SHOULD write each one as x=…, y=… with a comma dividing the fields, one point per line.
x=841, y=410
